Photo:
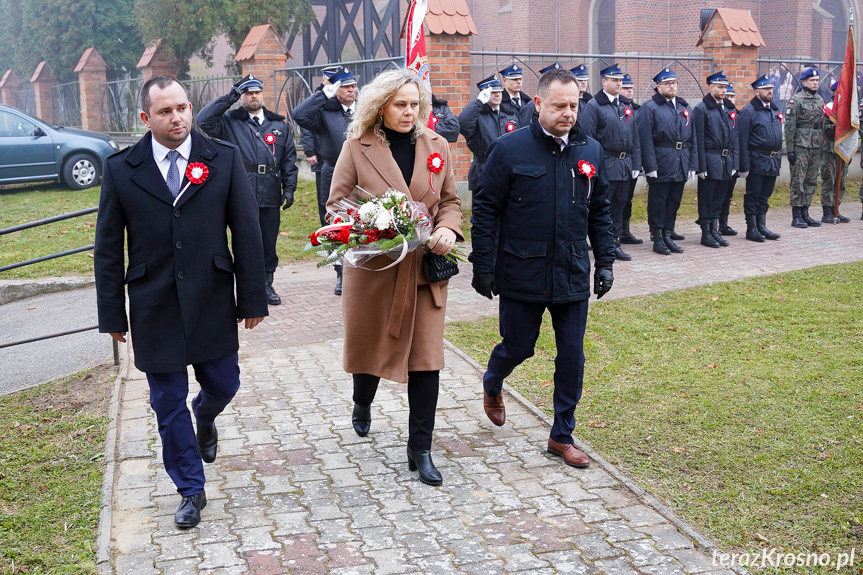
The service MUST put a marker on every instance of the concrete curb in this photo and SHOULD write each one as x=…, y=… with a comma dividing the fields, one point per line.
x=12, y=290
x=645, y=497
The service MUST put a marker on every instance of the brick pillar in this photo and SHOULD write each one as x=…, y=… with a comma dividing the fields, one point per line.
x=42, y=82
x=449, y=60
x=261, y=54
x=9, y=84
x=156, y=62
x=738, y=61
x=92, y=72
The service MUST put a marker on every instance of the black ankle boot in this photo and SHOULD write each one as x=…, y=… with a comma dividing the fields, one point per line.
x=420, y=460
x=714, y=229
x=668, y=238
x=619, y=253
x=362, y=419
x=676, y=237
x=272, y=297
x=797, y=218
x=761, y=222
x=626, y=237
x=752, y=232
x=658, y=243
x=338, y=289
x=804, y=213
x=707, y=238
x=724, y=228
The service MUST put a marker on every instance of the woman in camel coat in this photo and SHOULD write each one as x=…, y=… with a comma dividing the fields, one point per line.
x=394, y=318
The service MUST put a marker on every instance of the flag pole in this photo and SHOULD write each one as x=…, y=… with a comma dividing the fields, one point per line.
x=839, y=162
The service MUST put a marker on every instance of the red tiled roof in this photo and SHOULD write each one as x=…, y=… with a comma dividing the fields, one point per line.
x=43, y=69
x=86, y=56
x=7, y=77
x=147, y=57
x=741, y=27
x=253, y=41
x=449, y=17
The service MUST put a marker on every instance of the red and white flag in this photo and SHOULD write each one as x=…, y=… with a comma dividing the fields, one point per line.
x=416, y=59
x=846, y=107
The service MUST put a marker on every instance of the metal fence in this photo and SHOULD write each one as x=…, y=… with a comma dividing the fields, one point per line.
x=25, y=100
x=785, y=73
x=118, y=101
x=66, y=104
x=691, y=71
x=202, y=91
x=293, y=85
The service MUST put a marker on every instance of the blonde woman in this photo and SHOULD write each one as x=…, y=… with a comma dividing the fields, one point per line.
x=394, y=318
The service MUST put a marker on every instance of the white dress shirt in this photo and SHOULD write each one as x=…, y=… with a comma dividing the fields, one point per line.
x=160, y=154
x=564, y=137
x=259, y=116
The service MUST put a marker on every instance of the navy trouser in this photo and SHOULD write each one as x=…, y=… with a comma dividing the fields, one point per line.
x=759, y=188
x=269, y=221
x=729, y=193
x=663, y=201
x=618, y=192
x=220, y=380
x=711, y=194
x=627, y=209
x=519, y=329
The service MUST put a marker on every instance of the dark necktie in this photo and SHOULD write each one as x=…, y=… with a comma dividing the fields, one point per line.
x=349, y=113
x=516, y=102
x=257, y=120
x=173, y=179
x=559, y=142
x=615, y=103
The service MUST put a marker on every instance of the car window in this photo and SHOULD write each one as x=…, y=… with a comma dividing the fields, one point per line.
x=15, y=126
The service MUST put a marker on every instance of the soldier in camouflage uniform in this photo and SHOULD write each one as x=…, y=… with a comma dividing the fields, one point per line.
x=829, y=165
x=804, y=133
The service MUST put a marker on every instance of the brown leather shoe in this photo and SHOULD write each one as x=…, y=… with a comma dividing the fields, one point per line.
x=571, y=455
x=494, y=408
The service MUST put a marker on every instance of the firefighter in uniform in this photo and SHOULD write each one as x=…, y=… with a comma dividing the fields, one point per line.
x=627, y=91
x=514, y=100
x=733, y=112
x=804, y=136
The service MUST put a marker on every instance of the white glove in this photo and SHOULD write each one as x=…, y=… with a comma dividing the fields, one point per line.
x=484, y=96
x=702, y=175
x=690, y=175
x=635, y=174
x=733, y=172
x=744, y=175
x=330, y=89
x=652, y=174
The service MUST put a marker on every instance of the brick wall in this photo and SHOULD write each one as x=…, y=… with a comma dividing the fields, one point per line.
x=92, y=71
x=8, y=86
x=269, y=56
x=42, y=81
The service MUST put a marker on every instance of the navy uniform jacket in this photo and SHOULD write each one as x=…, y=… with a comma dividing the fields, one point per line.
x=616, y=131
x=533, y=193
x=525, y=110
x=445, y=122
x=279, y=180
x=327, y=118
x=309, y=141
x=181, y=272
x=760, y=130
x=667, y=139
x=716, y=139
x=480, y=126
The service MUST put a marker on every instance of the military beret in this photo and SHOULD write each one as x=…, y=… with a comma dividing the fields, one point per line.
x=809, y=73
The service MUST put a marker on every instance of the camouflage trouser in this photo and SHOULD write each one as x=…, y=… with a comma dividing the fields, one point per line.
x=804, y=176
x=829, y=164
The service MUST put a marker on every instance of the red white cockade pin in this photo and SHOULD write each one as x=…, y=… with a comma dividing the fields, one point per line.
x=510, y=127
x=435, y=163
x=196, y=173
x=587, y=170
x=271, y=140
x=685, y=114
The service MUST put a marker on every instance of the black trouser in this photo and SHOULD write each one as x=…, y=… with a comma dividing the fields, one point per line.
x=663, y=201
x=322, y=199
x=759, y=188
x=269, y=220
x=711, y=194
x=729, y=193
x=627, y=209
x=422, y=401
x=618, y=192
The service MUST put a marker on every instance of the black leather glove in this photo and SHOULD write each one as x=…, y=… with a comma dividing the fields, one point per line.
x=234, y=95
x=792, y=158
x=484, y=285
x=288, y=200
x=602, y=281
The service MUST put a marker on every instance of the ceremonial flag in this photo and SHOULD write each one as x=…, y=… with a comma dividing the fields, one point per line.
x=416, y=59
x=846, y=111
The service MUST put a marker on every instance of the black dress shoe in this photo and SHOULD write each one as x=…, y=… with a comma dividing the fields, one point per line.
x=362, y=419
x=188, y=514
x=208, y=442
x=421, y=460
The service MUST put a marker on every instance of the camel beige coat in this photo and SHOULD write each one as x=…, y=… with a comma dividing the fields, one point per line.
x=394, y=318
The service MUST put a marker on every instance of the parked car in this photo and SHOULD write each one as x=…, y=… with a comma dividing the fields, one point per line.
x=32, y=150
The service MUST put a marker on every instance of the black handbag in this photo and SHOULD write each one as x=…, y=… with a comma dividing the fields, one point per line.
x=438, y=268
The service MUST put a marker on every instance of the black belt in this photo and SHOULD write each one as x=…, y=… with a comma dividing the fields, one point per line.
x=618, y=155
x=261, y=169
x=723, y=151
x=771, y=153
x=674, y=145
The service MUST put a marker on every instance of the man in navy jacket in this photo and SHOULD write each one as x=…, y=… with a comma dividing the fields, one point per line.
x=180, y=275
x=542, y=195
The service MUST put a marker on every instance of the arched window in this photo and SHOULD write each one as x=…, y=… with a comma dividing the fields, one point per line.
x=605, y=27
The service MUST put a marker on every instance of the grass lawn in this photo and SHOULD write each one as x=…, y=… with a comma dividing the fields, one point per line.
x=740, y=405
x=52, y=440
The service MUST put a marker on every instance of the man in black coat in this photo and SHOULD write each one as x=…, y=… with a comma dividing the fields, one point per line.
x=669, y=157
x=180, y=275
x=542, y=194
x=627, y=97
x=582, y=76
x=266, y=144
x=760, y=129
x=482, y=121
x=733, y=112
x=514, y=100
x=717, y=144
x=609, y=120
x=445, y=122
x=327, y=113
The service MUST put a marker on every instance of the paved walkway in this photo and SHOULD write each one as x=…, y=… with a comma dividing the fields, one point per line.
x=294, y=490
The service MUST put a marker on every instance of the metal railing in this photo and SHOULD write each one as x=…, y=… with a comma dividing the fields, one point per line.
x=691, y=70
x=25, y=100
x=785, y=73
x=37, y=224
x=66, y=104
x=118, y=101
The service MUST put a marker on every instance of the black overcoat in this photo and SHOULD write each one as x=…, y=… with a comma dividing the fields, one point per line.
x=480, y=126
x=667, y=139
x=716, y=138
x=180, y=273
x=760, y=131
x=615, y=129
x=327, y=119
